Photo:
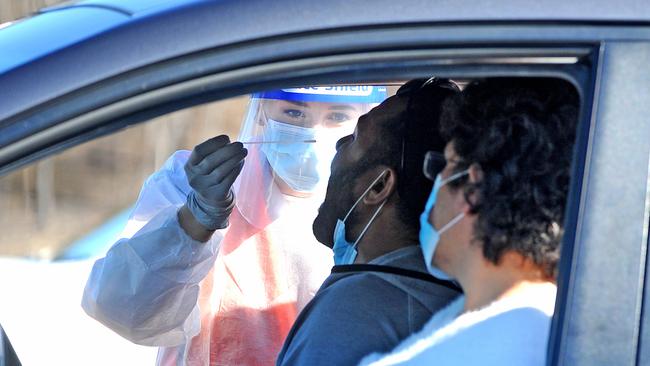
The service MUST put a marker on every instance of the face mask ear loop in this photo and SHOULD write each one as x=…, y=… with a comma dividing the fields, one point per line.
x=364, y=194
x=460, y=215
x=368, y=224
x=451, y=223
x=454, y=176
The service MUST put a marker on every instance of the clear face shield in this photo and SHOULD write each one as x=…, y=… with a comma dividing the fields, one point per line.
x=291, y=137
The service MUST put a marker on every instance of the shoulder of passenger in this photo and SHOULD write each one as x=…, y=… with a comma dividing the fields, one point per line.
x=530, y=315
x=509, y=324
x=361, y=287
x=353, y=301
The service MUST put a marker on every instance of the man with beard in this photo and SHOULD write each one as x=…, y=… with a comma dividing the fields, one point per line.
x=379, y=291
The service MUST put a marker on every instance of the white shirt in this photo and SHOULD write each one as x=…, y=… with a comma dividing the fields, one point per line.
x=509, y=331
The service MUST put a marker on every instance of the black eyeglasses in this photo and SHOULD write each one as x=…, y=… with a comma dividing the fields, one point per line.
x=434, y=163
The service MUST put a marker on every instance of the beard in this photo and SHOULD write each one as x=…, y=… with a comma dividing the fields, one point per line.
x=339, y=199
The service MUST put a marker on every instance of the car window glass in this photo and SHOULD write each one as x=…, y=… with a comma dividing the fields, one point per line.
x=65, y=211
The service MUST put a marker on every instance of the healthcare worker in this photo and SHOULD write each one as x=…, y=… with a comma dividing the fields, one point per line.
x=215, y=272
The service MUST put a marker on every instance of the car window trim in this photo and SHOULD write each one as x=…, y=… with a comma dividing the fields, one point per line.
x=573, y=63
x=475, y=62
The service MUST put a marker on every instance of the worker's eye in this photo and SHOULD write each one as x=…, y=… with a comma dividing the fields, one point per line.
x=338, y=117
x=294, y=113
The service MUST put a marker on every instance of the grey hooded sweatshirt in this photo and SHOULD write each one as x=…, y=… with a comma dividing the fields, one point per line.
x=355, y=314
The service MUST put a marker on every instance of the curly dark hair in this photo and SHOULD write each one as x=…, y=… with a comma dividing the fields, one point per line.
x=520, y=132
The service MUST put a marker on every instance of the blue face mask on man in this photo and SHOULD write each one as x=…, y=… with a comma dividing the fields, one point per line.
x=344, y=251
x=429, y=236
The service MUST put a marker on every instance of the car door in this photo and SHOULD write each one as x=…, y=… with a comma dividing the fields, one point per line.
x=600, y=317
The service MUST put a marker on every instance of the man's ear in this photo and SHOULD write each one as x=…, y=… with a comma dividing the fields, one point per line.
x=475, y=173
x=383, y=188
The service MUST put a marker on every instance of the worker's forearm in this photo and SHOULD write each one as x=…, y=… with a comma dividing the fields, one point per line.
x=192, y=227
x=159, y=268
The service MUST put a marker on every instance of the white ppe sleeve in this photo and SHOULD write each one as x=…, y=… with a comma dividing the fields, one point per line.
x=146, y=287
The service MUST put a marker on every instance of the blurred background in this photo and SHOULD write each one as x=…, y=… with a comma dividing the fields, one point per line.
x=16, y=9
x=59, y=200
x=51, y=205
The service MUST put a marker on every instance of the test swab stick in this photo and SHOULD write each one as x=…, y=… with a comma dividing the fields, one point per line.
x=280, y=142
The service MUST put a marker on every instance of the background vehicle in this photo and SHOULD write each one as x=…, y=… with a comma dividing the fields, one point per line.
x=96, y=67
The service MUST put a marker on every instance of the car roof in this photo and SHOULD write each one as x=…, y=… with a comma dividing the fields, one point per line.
x=73, y=22
x=91, y=40
x=442, y=9
x=134, y=7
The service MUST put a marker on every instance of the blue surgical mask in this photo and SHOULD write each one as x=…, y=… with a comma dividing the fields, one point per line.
x=344, y=251
x=429, y=236
x=297, y=164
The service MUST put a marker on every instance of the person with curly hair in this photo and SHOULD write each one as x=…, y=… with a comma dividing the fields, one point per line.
x=494, y=223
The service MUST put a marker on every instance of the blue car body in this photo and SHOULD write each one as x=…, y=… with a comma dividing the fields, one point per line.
x=85, y=69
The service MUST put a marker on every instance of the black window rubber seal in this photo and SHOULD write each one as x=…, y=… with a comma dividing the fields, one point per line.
x=360, y=268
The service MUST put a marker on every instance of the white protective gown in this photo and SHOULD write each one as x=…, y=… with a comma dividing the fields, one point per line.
x=240, y=292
